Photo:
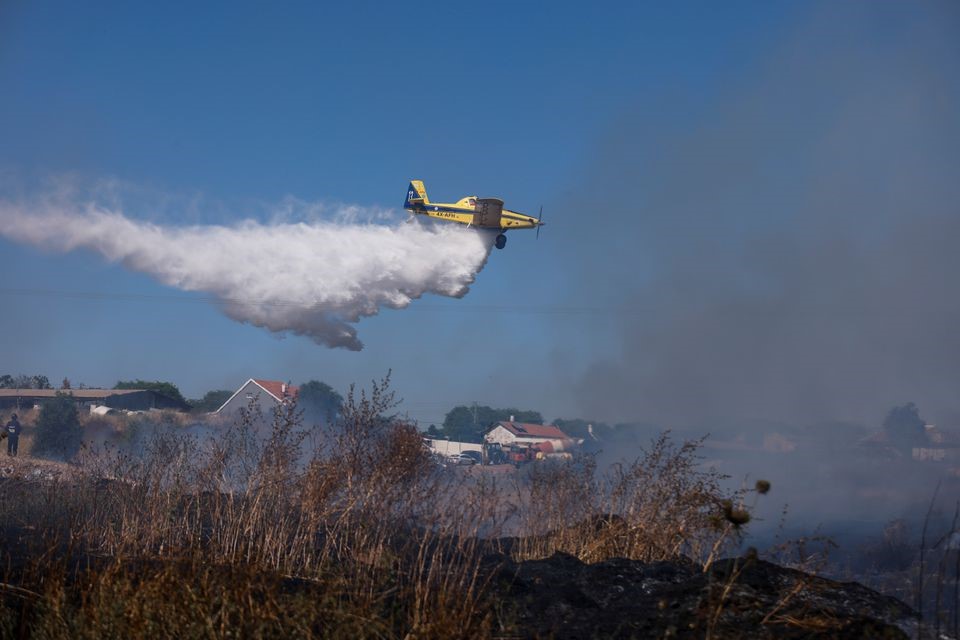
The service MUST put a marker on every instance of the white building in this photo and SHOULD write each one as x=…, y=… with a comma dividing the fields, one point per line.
x=523, y=433
x=449, y=448
x=270, y=394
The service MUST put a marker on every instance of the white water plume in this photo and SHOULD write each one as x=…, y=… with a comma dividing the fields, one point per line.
x=313, y=279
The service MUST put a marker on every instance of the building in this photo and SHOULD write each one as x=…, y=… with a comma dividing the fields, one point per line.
x=449, y=448
x=940, y=446
x=125, y=399
x=508, y=432
x=934, y=445
x=270, y=394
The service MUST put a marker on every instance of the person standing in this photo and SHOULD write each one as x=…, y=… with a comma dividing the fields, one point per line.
x=13, y=435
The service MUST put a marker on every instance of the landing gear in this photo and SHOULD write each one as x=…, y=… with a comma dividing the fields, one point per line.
x=501, y=241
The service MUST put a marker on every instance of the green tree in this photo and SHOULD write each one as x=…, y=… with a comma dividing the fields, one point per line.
x=904, y=426
x=320, y=403
x=57, y=432
x=211, y=400
x=166, y=388
x=24, y=382
x=468, y=424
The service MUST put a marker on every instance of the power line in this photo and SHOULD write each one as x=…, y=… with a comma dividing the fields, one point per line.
x=419, y=306
x=208, y=299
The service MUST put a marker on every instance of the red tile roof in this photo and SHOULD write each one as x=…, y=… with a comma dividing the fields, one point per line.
x=276, y=389
x=528, y=430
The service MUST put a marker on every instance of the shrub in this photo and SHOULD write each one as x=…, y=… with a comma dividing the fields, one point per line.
x=895, y=551
x=57, y=432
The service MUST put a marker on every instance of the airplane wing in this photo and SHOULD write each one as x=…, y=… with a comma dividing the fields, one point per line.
x=488, y=212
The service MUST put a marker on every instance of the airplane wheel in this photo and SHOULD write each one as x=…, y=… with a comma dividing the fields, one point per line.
x=501, y=241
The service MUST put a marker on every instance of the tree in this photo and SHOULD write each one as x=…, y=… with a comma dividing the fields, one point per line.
x=904, y=426
x=211, y=401
x=166, y=388
x=468, y=424
x=24, y=382
x=319, y=402
x=58, y=432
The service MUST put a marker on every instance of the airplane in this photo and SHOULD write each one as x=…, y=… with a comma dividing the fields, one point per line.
x=485, y=213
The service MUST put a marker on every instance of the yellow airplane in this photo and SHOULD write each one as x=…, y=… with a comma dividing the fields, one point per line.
x=485, y=213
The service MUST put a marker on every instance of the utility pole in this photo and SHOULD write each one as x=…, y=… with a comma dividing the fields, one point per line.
x=476, y=427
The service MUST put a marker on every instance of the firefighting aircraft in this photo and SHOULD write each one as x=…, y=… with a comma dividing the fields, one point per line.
x=485, y=213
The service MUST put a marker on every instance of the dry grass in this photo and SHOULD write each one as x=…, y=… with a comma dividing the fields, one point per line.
x=250, y=535
x=662, y=506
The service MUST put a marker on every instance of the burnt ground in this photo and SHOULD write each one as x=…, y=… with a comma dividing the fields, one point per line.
x=561, y=597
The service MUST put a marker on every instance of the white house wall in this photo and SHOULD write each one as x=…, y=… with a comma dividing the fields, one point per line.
x=452, y=447
x=501, y=435
x=505, y=437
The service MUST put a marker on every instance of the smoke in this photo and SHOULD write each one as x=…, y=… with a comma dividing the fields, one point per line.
x=795, y=239
x=314, y=279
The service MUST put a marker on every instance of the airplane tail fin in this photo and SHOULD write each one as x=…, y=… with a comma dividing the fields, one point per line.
x=416, y=194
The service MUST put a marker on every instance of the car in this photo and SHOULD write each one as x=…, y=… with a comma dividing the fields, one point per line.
x=462, y=459
x=476, y=456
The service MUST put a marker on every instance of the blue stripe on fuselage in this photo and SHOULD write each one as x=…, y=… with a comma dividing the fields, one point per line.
x=437, y=208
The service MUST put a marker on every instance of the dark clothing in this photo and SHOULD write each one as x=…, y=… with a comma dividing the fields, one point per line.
x=13, y=436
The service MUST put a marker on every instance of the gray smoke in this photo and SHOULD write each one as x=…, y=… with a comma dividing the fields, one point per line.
x=796, y=243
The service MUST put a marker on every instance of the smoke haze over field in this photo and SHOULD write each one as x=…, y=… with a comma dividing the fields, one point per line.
x=314, y=279
x=797, y=239
x=751, y=210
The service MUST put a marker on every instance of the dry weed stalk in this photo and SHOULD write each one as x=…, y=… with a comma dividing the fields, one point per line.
x=662, y=506
x=382, y=541
x=388, y=542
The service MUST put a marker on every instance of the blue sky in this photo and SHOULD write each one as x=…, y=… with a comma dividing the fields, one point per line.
x=208, y=111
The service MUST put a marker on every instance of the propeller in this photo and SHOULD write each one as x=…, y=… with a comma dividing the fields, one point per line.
x=539, y=221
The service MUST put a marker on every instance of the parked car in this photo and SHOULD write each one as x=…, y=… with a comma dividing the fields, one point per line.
x=476, y=456
x=463, y=458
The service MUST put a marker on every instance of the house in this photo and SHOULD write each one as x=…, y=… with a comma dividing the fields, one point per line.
x=270, y=394
x=939, y=447
x=933, y=445
x=508, y=432
x=128, y=399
